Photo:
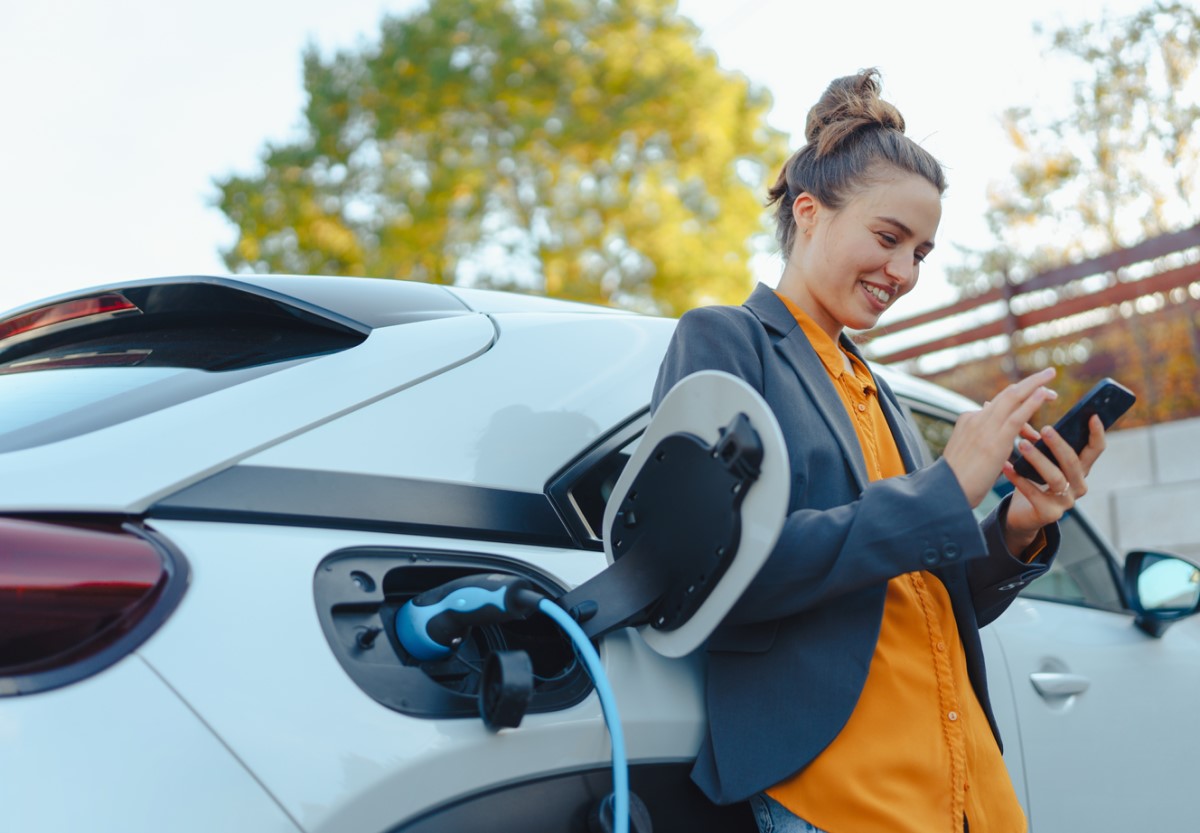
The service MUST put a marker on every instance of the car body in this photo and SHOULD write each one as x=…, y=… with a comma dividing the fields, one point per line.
x=218, y=491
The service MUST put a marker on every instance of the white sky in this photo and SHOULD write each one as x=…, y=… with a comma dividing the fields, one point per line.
x=119, y=114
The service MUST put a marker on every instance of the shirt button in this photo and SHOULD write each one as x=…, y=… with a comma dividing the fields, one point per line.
x=861, y=406
x=953, y=715
x=941, y=646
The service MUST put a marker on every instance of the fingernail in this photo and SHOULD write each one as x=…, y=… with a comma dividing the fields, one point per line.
x=1050, y=393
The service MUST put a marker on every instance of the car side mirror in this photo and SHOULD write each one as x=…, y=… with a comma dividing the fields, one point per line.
x=1162, y=588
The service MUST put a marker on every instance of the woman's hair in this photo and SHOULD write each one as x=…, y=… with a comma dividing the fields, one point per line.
x=852, y=135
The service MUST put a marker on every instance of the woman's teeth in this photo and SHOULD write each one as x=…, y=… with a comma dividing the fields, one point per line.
x=882, y=294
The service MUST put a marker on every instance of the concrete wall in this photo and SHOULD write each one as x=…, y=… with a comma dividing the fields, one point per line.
x=1145, y=490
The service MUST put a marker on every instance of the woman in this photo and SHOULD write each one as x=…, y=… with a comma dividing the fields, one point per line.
x=846, y=689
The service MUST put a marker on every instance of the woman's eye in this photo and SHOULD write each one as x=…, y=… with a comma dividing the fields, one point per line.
x=889, y=239
x=919, y=257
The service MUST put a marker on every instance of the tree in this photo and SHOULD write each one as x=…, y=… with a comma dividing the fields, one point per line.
x=589, y=149
x=1122, y=165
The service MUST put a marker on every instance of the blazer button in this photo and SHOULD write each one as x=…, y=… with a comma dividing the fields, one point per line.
x=930, y=557
x=950, y=550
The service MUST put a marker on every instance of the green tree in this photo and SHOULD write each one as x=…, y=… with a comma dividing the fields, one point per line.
x=1120, y=165
x=588, y=149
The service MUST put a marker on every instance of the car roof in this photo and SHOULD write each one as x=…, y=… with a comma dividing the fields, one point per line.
x=915, y=388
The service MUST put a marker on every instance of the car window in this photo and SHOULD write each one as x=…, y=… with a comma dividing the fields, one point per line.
x=935, y=430
x=1082, y=574
x=79, y=364
x=86, y=385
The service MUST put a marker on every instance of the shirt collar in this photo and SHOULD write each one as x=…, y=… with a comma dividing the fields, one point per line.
x=826, y=348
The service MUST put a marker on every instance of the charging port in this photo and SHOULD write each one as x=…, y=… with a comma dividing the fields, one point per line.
x=358, y=592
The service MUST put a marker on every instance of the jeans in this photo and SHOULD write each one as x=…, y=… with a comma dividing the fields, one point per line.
x=773, y=817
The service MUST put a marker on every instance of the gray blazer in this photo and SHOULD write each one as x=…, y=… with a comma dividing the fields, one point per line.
x=787, y=665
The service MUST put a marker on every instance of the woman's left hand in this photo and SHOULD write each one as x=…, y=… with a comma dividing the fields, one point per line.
x=1034, y=506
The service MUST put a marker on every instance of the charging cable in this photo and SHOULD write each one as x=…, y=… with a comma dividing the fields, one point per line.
x=608, y=704
x=432, y=625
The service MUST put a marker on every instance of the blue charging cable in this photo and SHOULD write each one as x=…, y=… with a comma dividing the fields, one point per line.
x=608, y=704
x=434, y=623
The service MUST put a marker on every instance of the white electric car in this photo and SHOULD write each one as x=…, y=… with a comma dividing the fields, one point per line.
x=216, y=493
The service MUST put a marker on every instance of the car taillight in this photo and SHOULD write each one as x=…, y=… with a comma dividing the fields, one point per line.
x=104, y=304
x=74, y=599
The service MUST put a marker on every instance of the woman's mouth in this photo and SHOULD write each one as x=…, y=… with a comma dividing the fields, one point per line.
x=883, y=296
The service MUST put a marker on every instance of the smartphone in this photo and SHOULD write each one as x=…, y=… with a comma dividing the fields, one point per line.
x=1108, y=398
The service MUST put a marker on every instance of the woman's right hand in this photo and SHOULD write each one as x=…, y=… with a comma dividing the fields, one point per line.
x=983, y=440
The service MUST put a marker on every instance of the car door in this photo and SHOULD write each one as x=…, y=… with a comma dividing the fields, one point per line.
x=1106, y=715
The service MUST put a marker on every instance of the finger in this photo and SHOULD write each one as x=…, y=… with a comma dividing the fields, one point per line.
x=1030, y=433
x=1056, y=480
x=1068, y=461
x=1024, y=410
x=1020, y=391
x=1097, y=442
x=1047, y=507
x=1008, y=417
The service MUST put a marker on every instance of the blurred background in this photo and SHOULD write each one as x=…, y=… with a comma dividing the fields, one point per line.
x=618, y=151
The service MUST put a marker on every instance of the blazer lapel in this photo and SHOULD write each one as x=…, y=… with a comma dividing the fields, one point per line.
x=794, y=348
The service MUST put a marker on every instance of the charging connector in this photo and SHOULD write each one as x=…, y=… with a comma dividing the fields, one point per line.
x=432, y=625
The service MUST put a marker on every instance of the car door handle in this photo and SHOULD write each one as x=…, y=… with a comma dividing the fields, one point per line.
x=1057, y=684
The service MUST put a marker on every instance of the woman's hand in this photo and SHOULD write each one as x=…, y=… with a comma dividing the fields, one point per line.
x=982, y=440
x=1034, y=506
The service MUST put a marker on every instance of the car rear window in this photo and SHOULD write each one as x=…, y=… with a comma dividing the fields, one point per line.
x=82, y=373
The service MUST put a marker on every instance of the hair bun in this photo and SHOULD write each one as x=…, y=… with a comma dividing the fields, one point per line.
x=849, y=104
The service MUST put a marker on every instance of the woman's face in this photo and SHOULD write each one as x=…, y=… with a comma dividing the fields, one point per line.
x=853, y=263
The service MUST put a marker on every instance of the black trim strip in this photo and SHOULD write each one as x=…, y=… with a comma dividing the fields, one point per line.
x=304, y=497
x=563, y=801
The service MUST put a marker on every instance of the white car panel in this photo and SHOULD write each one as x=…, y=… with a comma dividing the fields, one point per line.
x=480, y=423
x=1135, y=710
x=119, y=752
x=126, y=467
x=1000, y=691
x=495, y=301
x=333, y=757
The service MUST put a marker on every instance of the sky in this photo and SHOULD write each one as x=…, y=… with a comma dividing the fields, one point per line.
x=118, y=115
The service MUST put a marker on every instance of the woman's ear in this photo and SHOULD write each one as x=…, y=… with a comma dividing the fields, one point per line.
x=804, y=212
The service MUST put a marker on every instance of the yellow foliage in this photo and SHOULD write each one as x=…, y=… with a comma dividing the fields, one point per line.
x=600, y=137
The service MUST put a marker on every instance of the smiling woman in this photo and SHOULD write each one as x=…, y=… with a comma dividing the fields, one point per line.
x=869, y=607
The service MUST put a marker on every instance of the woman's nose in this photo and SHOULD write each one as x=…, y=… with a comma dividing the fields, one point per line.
x=902, y=267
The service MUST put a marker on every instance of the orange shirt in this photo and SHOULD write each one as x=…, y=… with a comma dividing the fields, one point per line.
x=917, y=753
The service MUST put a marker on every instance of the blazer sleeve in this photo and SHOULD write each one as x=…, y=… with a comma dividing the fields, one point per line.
x=919, y=521
x=996, y=580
